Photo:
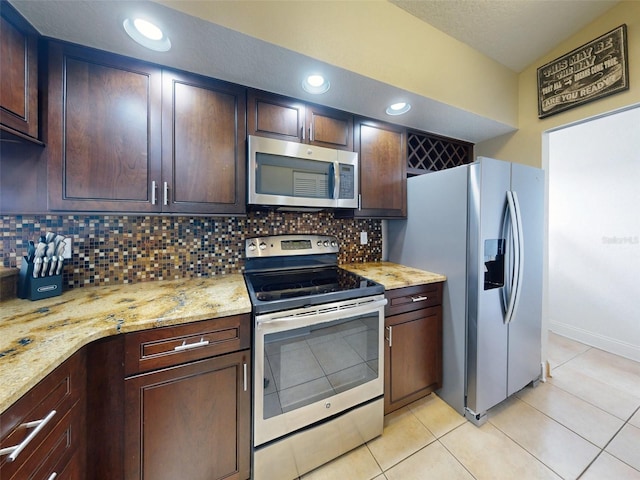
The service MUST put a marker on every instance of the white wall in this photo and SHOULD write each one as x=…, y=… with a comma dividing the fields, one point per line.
x=594, y=232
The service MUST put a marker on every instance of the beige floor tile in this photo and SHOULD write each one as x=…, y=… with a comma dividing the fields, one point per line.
x=436, y=415
x=609, y=467
x=556, y=446
x=488, y=454
x=403, y=435
x=581, y=417
x=635, y=420
x=357, y=464
x=562, y=349
x=433, y=462
x=619, y=372
x=610, y=399
x=626, y=446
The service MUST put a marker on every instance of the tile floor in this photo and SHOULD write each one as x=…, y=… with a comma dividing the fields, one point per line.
x=584, y=422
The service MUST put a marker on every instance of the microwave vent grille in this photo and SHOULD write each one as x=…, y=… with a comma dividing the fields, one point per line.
x=313, y=185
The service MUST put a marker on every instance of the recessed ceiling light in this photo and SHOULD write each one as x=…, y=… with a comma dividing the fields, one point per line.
x=147, y=34
x=315, y=84
x=398, y=108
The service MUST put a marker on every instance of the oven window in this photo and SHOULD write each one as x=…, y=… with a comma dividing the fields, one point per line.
x=309, y=364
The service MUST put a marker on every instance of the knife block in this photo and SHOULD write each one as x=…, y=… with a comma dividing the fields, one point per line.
x=37, y=288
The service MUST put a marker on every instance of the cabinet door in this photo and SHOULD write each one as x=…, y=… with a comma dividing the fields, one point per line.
x=103, y=131
x=190, y=421
x=413, y=356
x=19, y=79
x=383, y=170
x=275, y=116
x=329, y=128
x=204, y=151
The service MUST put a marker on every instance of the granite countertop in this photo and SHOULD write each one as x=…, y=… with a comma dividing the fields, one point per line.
x=36, y=337
x=393, y=275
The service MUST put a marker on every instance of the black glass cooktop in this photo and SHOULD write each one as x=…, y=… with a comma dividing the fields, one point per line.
x=279, y=290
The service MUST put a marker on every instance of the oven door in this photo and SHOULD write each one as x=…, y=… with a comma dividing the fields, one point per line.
x=315, y=362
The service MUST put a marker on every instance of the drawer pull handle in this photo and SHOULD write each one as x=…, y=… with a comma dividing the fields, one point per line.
x=52, y=476
x=420, y=298
x=188, y=346
x=390, y=338
x=15, y=450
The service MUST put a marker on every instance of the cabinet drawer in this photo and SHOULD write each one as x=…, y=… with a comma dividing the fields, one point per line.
x=57, y=393
x=54, y=453
x=407, y=299
x=168, y=346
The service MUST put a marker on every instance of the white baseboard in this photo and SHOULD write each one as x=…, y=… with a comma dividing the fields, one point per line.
x=608, y=344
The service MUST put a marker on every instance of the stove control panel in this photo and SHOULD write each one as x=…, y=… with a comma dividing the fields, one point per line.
x=286, y=245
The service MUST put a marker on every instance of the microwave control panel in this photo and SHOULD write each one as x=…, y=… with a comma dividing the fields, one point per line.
x=347, y=181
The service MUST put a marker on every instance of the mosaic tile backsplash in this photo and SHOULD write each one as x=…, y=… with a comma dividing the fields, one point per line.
x=110, y=249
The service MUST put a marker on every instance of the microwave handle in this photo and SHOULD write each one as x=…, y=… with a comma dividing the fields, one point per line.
x=336, y=180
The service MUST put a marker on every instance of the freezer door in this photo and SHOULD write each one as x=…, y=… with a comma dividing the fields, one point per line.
x=434, y=238
x=487, y=334
x=524, y=354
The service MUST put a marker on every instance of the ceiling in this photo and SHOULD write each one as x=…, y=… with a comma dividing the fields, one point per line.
x=514, y=32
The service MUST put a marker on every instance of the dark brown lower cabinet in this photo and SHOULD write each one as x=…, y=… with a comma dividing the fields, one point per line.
x=48, y=426
x=413, y=346
x=190, y=421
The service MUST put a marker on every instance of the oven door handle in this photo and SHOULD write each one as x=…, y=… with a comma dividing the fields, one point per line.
x=316, y=316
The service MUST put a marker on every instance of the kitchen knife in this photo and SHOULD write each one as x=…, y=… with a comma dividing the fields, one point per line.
x=49, y=237
x=31, y=251
x=60, y=255
x=50, y=250
x=52, y=265
x=37, y=266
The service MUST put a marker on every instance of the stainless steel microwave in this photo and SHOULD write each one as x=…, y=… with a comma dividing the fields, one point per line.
x=299, y=176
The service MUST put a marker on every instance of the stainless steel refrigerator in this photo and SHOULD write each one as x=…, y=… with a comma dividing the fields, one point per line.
x=482, y=226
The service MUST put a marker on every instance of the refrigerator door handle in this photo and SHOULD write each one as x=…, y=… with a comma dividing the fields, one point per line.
x=520, y=237
x=518, y=256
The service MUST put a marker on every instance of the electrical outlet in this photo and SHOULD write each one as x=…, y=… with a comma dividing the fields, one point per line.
x=67, y=248
x=363, y=238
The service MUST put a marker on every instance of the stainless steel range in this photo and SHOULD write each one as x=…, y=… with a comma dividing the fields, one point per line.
x=318, y=354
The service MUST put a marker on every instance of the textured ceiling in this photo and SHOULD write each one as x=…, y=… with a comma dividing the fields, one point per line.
x=513, y=32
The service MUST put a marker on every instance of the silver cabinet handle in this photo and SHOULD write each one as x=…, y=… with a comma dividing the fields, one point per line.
x=15, y=450
x=52, y=476
x=302, y=132
x=188, y=346
x=244, y=376
x=359, y=201
x=311, y=132
x=419, y=298
x=390, y=339
x=166, y=193
x=153, y=192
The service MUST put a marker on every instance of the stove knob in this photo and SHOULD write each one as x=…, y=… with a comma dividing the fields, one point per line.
x=334, y=243
x=263, y=246
x=319, y=243
x=326, y=243
x=252, y=246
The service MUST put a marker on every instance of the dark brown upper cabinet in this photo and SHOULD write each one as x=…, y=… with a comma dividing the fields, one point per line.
x=203, y=145
x=126, y=136
x=19, y=79
x=275, y=116
x=382, y=151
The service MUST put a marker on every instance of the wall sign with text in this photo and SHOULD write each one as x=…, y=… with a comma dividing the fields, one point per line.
x=594, y=70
